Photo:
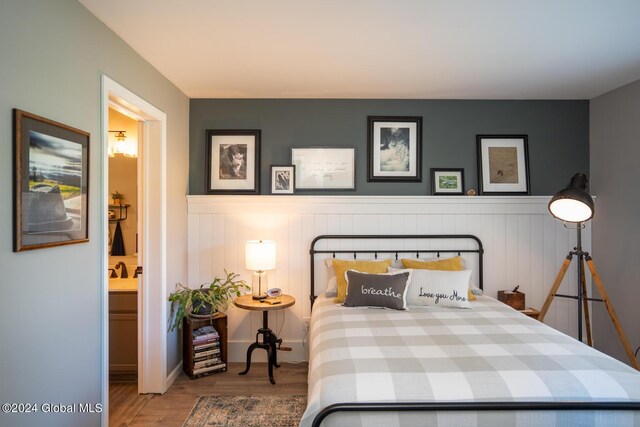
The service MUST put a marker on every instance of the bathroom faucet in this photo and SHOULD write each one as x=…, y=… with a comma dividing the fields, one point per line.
x=123, y=272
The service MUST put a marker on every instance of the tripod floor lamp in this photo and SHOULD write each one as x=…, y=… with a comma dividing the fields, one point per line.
x=575, y=205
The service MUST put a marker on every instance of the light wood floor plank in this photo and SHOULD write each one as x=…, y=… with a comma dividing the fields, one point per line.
x=127, y=408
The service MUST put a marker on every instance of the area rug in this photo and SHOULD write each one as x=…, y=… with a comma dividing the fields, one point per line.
x=247, y=411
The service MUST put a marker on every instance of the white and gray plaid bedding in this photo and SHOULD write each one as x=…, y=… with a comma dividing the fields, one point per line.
x=487, y=353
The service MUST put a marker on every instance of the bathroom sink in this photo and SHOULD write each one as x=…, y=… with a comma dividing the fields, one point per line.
x=129, y=284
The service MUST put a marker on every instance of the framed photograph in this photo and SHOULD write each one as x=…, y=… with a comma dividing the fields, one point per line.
x=283, y=179
x=394, y=148
x=233, y=162
x=447, y=181
x=324, y=168
x=51, y=182
x=503, y=164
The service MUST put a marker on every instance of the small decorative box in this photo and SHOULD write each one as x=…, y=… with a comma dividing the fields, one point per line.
x=512, y=299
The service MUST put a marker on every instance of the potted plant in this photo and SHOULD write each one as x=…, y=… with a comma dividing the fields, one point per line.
x=117, y=198
x=204, y=301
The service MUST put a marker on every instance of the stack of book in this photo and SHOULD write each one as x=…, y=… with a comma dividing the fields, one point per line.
x=206, y=351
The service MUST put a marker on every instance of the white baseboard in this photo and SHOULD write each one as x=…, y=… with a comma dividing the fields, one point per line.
x=173, y=375
x=237, y=352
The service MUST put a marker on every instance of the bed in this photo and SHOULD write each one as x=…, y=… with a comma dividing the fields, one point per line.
x=488, y=365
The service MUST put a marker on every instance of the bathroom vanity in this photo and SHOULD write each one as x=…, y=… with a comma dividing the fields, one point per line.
x=123, y=330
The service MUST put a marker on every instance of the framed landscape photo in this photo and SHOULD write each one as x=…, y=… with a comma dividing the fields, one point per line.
x=233, y=161
x=503, y=164
x=283, y=179
x=51, y=182
x=324, y=168
x=447, y=181
x=394, y=148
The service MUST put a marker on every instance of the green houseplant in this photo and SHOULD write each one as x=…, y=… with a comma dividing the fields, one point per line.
x=117, y=197
x=206, y=300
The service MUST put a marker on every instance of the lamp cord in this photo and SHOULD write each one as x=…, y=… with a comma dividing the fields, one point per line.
x=579, y=225
x=304, y=344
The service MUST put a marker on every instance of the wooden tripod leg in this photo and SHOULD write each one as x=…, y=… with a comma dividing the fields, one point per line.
x=612, y=314
x=554, y=288
x=585, y=305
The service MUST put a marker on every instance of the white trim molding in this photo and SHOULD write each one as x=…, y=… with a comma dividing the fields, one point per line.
x=152, y=315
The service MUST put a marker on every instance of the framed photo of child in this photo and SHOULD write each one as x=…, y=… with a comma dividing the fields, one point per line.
x=233, y=162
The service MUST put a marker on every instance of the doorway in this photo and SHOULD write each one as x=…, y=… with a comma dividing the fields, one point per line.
x=150, y=195
x=125, y=258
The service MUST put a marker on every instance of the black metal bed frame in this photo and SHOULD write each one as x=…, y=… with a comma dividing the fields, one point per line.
x=313, y=251
x=438, y=406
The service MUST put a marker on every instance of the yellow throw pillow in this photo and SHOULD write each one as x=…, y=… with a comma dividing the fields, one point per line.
x=447, y=264
x=368, y=266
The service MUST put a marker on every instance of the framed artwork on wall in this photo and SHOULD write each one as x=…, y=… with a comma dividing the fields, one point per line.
x=447, y=181
x=283, y=179
x=233, y=161
x=394, y=148
x=324, y=168
x=503, y=164
x=51, y=182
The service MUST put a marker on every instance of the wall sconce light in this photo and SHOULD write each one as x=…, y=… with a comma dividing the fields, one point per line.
x=121, y=145
x=260, y=256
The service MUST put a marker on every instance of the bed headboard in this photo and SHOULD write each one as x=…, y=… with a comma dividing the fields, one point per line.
x=420, y=244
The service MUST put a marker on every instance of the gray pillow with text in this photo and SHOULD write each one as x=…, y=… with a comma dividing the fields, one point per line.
x=376, y=290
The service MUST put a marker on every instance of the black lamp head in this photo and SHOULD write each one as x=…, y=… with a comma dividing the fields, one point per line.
x=574, y=203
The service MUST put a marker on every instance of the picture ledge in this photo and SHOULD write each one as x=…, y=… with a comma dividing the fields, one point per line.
x=420, y=198
x=412, y=205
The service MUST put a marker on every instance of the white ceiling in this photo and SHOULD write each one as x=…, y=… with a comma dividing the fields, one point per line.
x=419, y=49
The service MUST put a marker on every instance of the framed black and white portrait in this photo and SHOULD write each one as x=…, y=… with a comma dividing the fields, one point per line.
x=233, y=161
x=394, y=148
x=503, y=164
x=283, y=179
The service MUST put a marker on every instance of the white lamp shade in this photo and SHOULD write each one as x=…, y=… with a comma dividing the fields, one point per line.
x=260, y=255
x=570, y=210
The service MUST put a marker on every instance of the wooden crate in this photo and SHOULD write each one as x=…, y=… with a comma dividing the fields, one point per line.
x=219, y=322
x=512, y=299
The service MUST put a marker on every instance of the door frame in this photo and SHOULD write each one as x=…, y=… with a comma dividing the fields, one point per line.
x=152, y=313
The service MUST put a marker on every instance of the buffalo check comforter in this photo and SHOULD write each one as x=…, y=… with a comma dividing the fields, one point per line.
x=489, y=352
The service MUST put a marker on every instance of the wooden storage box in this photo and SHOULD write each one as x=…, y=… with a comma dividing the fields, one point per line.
x=219, y=322
x=512, y=299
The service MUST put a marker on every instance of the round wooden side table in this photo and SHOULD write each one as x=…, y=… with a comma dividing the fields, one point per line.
x=269, y=338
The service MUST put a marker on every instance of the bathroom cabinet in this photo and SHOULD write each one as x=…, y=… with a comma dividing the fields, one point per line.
x=123, y=335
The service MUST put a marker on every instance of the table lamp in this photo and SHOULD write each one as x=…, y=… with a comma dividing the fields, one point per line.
x=260, y=256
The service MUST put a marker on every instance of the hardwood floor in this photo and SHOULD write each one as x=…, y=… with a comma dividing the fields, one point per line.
x=127, y=408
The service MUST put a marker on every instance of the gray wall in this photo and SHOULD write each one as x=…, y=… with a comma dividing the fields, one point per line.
x=615, y=151
x=558, y=135
x=52, y=54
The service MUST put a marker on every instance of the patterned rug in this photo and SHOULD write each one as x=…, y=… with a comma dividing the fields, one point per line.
x=247, y=411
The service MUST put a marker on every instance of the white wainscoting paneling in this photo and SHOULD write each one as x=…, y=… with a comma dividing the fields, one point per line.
x=523, y=245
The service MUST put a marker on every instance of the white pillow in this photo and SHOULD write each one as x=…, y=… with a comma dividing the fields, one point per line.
x=474, y=289
x=439, y=288
x=331, y=272
x=332, y=286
